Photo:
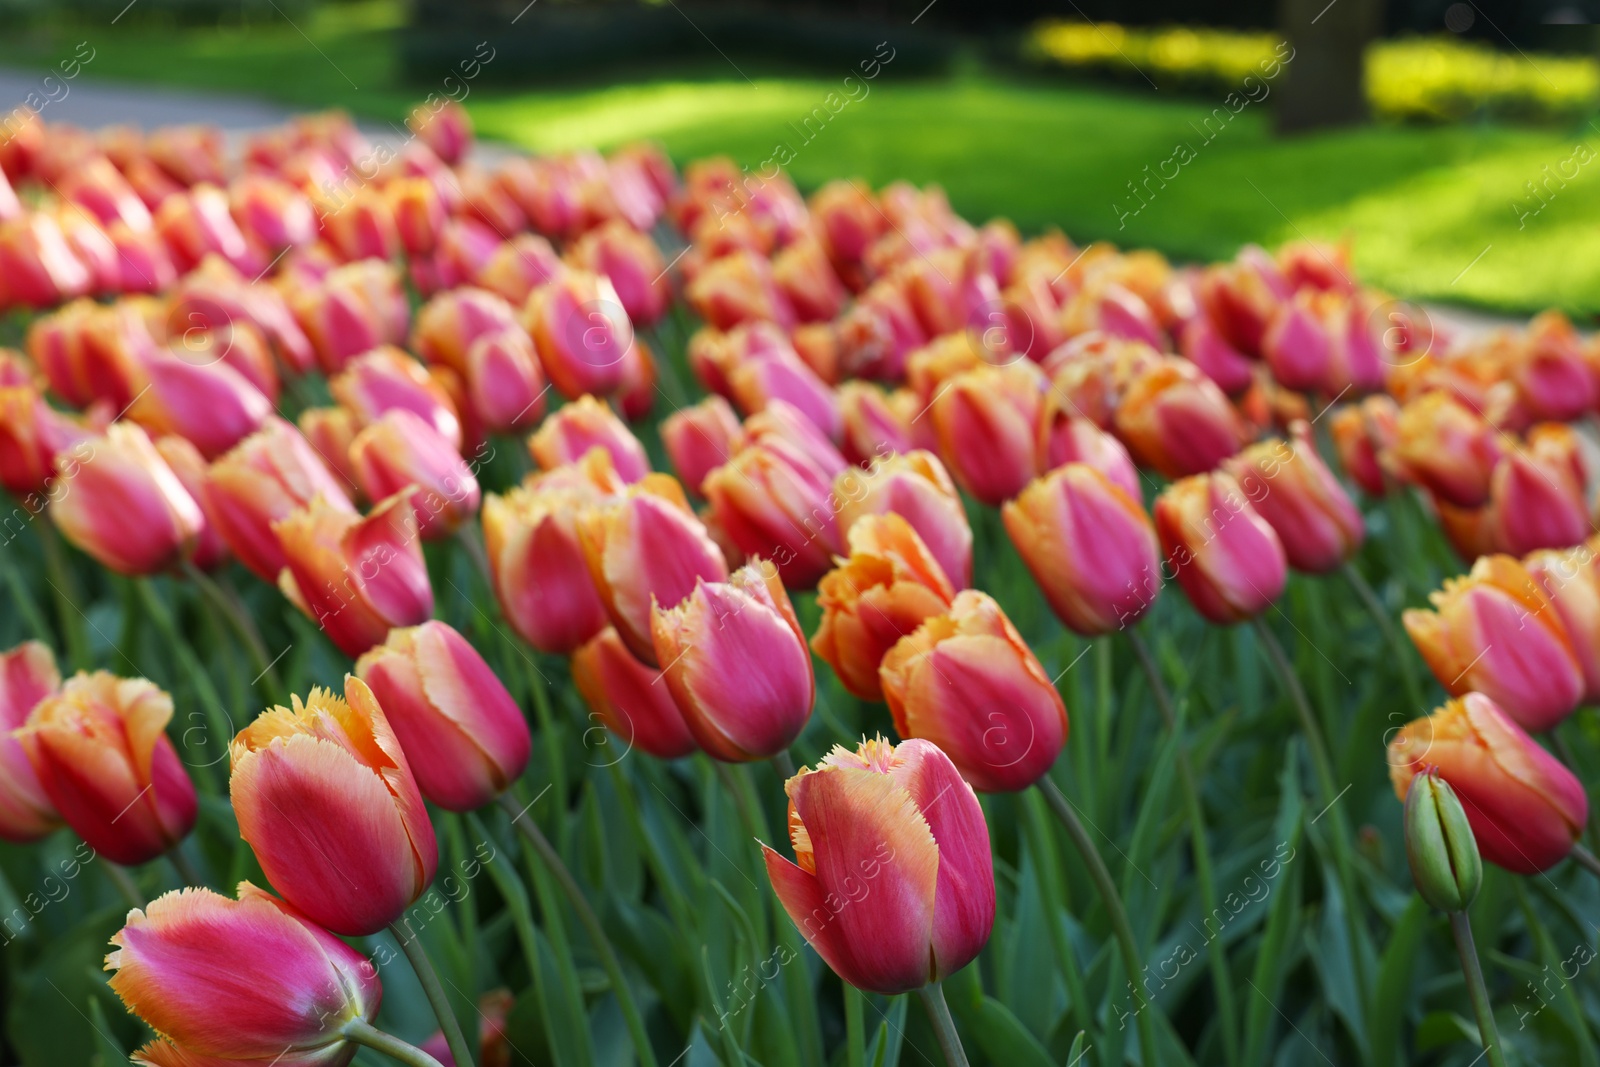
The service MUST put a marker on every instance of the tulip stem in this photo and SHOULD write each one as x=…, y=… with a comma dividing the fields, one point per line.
x=187, y=872
x=944, y=1027
x=360, y=1032
x=1401, y=649
x=411, y=945
x=218, y=722
x=125, y=883
x=1586, y=860
x=1488, y=1034
x=591, y=923
x=1564, y=753
x=469, y=536
x=1221, y=980
x=783, y=763
x=1120, y=927
x=241, y=624
x=60, y=579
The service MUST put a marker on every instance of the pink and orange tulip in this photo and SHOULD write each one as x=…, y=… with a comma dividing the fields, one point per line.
x=1227, y=558
x=400, y=453
x=27, y=675
x=915, y=486
x=386, y=378
x=986, y=420
x=1315, y=519
x=774, y=502
x=628, y=698
x=1177, y=421
x=569, y=433
x=581, y=332
x=700, y=438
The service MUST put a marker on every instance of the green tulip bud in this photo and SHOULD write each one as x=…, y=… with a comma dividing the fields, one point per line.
x=1439, y=844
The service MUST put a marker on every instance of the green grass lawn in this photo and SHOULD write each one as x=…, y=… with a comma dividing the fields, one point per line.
x=1430, y=210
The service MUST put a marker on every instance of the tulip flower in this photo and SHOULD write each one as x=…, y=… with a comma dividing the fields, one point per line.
x=446, y=129
x=356, y=577
x=1496, y=631
x=27, y=675
x=1089, y=545
x=1448, y=448
x=878, y=332
x=356, y=308
x=883, y=591
x=986, y=420
x=1570, y=577
x=197, y=223
x=519, y=266
x=581, y=332
x=125, y=506
x=464, y=735
x=805, y=276
x=628, y=698
x=968, y=682
x=776, y=503
x=736, y=288
x=1536, y=494
x=210, y=550
x=1204, y=346
x=325, y=798
x=271, y=212
x=330, y=431
x=191, y=154
x=400, y=452
x=360, y=224
x=99, y=748
x=588, y=423
x=38, y=267
x=536, y=557
x=1067, y=439
x=735, y=660
x=782, y=421
x=93, y=247
x=1177, y=421
x=1290, y=486
x=36, y=441
x=643, y=547
x=143, y=263
x=782, y=375
x=1296, y=345
x=1363, y=434
x=210, y=403
x=215, y=296
x=1226, y=557
x=1525, y=808
x=1552, y=379
x=892, y=883
x=873, y=423
x=916, y=487
x=633, y=264
x=99, y=187
x=385, y=379
x=700, y=438
x=247, y=981
x=418, y=213
x=848, y=222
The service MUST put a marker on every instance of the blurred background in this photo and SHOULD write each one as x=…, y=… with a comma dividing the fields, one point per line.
x=1451, y=143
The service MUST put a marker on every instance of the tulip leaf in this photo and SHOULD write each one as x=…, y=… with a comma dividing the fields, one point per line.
x=1001, y=1035
x=885, y=1048
x=108, y=1051
x=47, y=1005
x=1386, y=1012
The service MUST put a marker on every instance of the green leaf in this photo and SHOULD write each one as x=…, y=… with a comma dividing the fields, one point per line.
x=1001, y=1036
x=1392, y=994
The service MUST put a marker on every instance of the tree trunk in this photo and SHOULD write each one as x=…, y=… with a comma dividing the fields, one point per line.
x=1322, y=83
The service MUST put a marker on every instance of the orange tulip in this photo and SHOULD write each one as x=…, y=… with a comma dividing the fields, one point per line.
x=1224, y=554
x=628, y=697
x=325, y=798
x=735, y=661
x=968, y=682
x=27, y=675
x=568, y=434
x=356, y=577
x=1496, y=631
x=1526, y=809
x=1177, y=421
x=1447, y=448
x=645, y=546
x=883, y=591
x=99, y=747
x=1089, y=545
x=125, y=507
x=418, y=212
x=250, y=981
x=1363, y=434
x=893, y=880
x=986, y=420
x=916, y=487
x=401, y=453
x=464, y=735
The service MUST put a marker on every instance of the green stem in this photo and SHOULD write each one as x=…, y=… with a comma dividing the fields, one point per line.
x=1488, y=1035
x=944, y=1027
x=591, y=923
x=125, y=883
x=854, y=1036
x=1217, y=957
x=60, y=579
x=1402, y=649
x=241, y=624
x=1586, y=860
x=783, y=763
x=1120, y=928
x=471, y=541
x=1564, y=754
x=218, y=724
x=411, y=945
x=1045, y=870
x=23, y=596
x=361, y=1032
x=188, y=874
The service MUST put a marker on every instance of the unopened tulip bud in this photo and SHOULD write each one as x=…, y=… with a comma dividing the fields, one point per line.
x=504, y=382
x=210, y=403
x=27, y=675
x=210, y=550
x=335, y=765
x=1440, y=848
x=1175, y=420
x=915, y=486
x=385, y=379
x=581, y=332
x=1226, y=557
x=1090, y=547
x=358, y=307
x=775, y=503
x=463, y=734
x=736, y=662
x=518, y=267
x=1302, y=501
x=968, y=682
x=986, y=420
x=646, y=547
x=402, y=453
x=630, y=698
x=634, y=265
x=100, y=750
x=1570, y=577
x=1495, y=631
x=883, y=591
x=126, y=507
x=1526, y=810
x=1363, y=434
x=1065, y=438
x=357, y=577
x=700, y=438
x=568, y=434
x=1447, y=448
x=239, y=981
x=898, y=820
x=1536, y=495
